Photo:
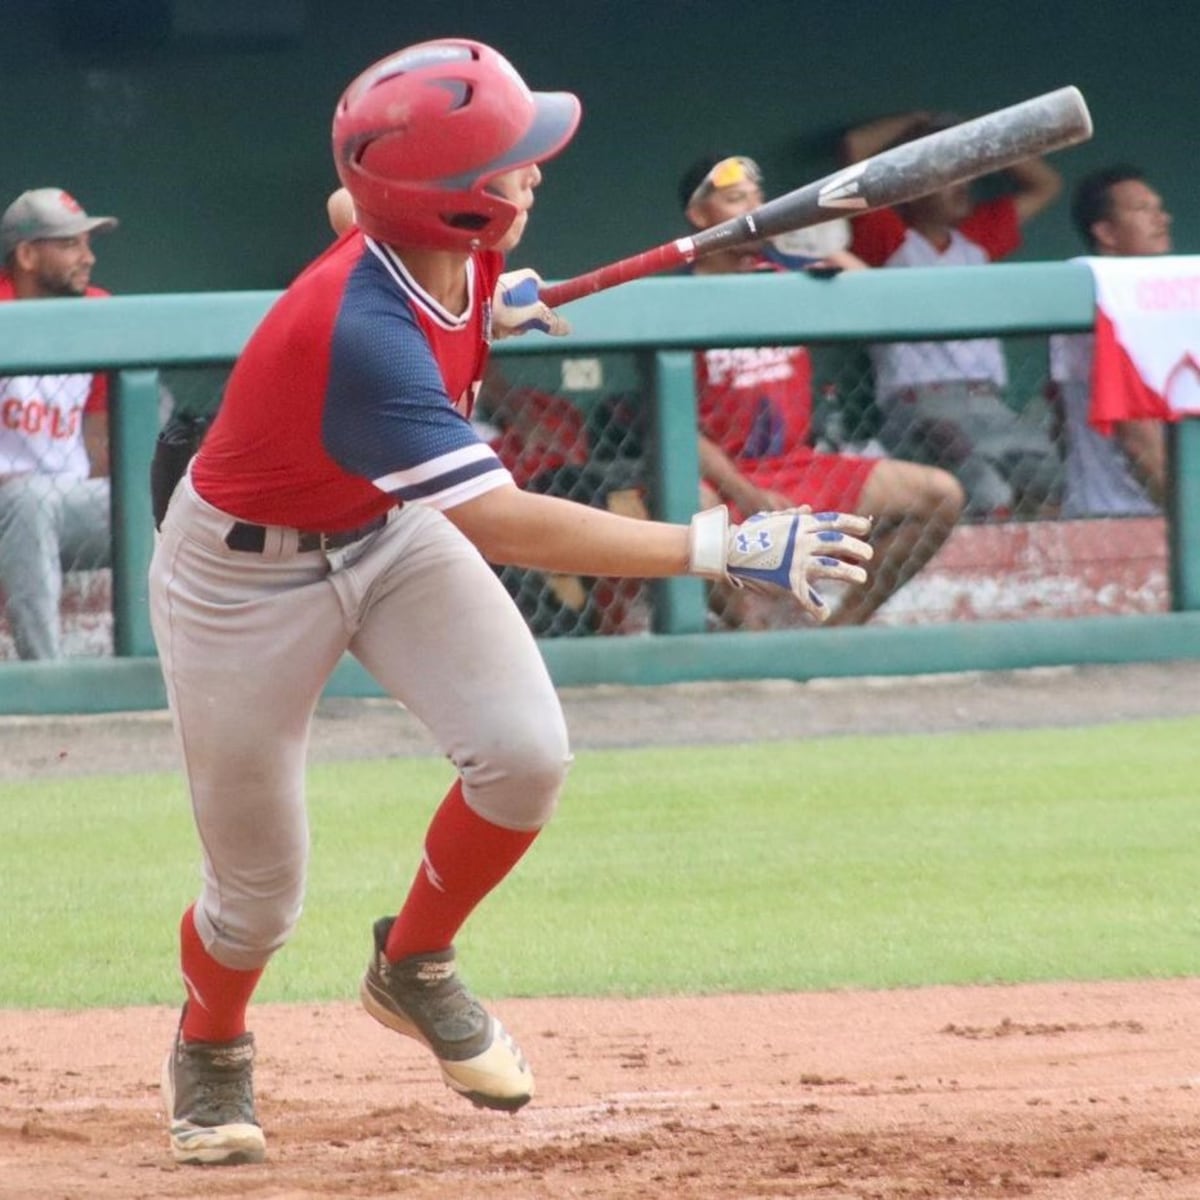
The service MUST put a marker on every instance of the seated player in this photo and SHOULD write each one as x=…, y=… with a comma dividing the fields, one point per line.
x=755, y=407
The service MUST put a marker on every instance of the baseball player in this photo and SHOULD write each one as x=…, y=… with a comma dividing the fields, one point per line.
x=1123, y=472
x=342, y=502
x=949, y=403
x=755, y=414
x=54, y=488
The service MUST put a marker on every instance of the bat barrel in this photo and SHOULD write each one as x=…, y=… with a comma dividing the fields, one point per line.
x=963, y=152
x=981, y=146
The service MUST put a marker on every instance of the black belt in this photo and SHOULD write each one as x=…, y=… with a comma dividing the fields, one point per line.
x=253, y=538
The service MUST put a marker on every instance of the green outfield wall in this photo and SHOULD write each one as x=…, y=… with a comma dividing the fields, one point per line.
x=659, y=321
x=204, y=124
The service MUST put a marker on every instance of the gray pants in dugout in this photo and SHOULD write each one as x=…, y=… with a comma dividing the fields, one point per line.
x=1006, y=461
x=48, y=524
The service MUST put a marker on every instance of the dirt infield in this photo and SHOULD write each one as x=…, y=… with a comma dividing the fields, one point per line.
x=1063, y=1091
x=1049, y=1091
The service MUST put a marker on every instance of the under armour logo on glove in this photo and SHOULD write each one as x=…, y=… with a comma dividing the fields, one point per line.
x=758, y=541
x=790, y=550
x=517, y=307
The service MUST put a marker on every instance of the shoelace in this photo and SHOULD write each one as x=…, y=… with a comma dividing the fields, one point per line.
x=222, y=1100
x=450, y=1010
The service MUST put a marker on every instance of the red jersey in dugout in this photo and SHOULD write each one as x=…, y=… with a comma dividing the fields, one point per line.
x=756, y=404
x=883, y=238
x=353, y=394
x=755, y=401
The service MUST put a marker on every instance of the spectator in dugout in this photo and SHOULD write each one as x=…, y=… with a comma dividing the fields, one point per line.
x=948, y=402
x=54, y=491
x=1117, y=214
x=755, y=410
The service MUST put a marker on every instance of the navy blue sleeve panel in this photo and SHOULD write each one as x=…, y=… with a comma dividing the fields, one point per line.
x=387, y=417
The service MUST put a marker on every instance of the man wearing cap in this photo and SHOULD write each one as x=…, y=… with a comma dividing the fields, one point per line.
x=54, y=495
x=755, y=414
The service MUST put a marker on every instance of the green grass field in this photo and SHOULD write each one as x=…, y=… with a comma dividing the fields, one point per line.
x=832, y=863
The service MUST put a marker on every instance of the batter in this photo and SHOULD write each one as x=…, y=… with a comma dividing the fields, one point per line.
x=342, y=502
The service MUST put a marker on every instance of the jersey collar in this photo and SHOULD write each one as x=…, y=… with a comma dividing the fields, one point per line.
x=403, y=279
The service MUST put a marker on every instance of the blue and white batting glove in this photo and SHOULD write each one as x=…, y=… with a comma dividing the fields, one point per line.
x=791, y=550
x=516, y=307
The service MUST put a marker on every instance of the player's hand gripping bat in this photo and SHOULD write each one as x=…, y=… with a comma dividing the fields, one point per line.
x=966, y=151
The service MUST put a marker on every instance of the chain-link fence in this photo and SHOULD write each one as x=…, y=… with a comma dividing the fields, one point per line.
x=989, y=547
x=574, y=428
x=579, y=427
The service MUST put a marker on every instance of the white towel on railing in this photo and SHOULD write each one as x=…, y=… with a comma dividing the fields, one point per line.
x=1147, y=349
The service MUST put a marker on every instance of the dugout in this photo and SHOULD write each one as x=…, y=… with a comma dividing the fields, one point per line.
x=663, y=321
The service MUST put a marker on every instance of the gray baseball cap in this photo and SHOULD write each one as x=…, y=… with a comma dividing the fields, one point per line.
x=47, y=213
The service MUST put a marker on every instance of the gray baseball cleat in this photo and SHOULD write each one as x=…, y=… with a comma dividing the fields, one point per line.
x=423, y=998
x=208, y=1089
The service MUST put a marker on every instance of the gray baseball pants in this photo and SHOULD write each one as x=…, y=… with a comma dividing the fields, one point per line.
x=247, y=642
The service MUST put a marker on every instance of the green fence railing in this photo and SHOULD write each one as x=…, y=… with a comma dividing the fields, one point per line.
x=656, y=319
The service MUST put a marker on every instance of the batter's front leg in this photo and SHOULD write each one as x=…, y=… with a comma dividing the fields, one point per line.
x=443, y=636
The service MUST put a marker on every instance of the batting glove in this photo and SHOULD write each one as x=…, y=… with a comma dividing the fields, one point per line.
x=516, y=307
x=791, y=550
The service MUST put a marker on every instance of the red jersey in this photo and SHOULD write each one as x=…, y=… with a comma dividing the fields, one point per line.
x=992, y=231
x=354, y=393
x=755, y=402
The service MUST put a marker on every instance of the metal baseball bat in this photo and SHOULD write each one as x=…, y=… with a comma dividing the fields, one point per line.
x=966, y=151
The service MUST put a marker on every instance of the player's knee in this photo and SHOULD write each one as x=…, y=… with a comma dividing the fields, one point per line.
x=944, y=496
x=31, y=504
x=517, y=782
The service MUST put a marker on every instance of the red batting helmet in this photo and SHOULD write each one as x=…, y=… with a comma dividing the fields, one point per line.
x=418, y=137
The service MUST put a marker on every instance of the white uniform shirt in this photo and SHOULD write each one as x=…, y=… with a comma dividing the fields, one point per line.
x=41, y=416
x=41, y=425
x=901, y=365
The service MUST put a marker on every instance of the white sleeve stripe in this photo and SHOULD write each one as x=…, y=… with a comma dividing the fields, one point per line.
x=433, y=467
x=460, y=493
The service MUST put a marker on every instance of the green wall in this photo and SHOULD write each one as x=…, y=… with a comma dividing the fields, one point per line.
x=214, y=150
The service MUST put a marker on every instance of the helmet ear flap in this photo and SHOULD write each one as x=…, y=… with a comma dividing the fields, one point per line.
x=419, y=135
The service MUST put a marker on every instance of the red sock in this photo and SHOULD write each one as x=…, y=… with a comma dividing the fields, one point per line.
x=217, y=995
x=465, y=857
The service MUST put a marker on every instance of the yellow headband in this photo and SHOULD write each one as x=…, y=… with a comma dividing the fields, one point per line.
x=726, y=173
